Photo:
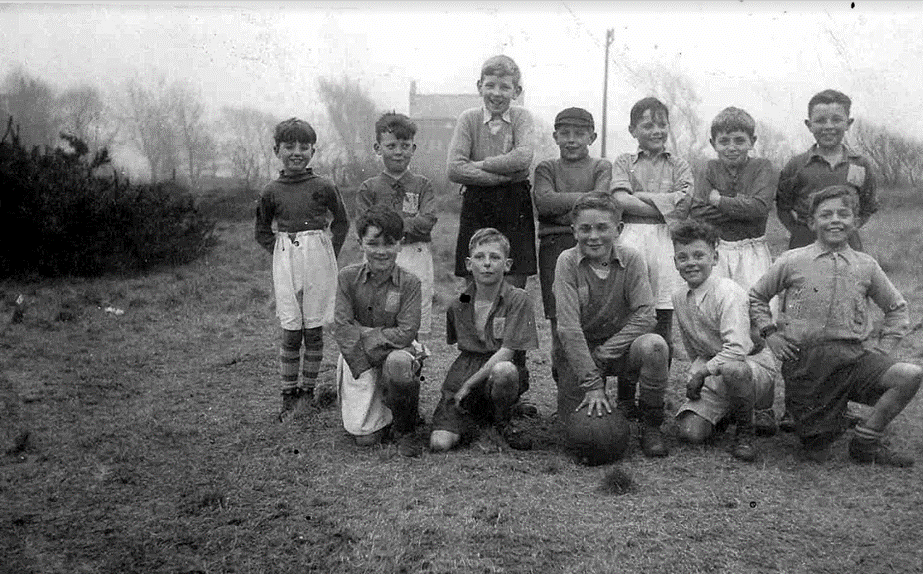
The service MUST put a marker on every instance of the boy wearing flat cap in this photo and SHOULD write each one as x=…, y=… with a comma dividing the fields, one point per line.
x=559, y=183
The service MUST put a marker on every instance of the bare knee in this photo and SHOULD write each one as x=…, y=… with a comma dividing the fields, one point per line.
x=442, y=440
x=652, y=345
x=398, y=368
x=504, y=373
x=693, y=429
x=905, y=376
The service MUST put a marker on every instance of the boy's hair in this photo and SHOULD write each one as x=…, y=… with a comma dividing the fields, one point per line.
x=733, y=119
x=693, y=230
x=294, y=130
x=599, y=201
x=489, y=235
x=829, y=97
x=501, y=65
x=383, y=217
x=847, y=192
x=397, y=124
x=650, y=103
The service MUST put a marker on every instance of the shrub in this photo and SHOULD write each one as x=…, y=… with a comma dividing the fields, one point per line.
x=58, y=218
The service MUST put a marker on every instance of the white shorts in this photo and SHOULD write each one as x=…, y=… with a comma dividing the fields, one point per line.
x=361, y=400
x=304, y=278
x=744, y=262
x=417, y=258
x=715, y=400
x=656, y=247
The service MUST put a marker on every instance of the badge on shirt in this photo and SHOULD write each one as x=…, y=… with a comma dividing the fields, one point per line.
x=499, y=327
x=411, y=203
x=392, y=302
x=856, y=175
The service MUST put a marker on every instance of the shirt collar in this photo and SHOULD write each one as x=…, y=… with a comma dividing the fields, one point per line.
x=846, y=254
x=471, y=290
x=617, y=254
x=848, y=152
x=643, y=153
x=366, y=274
x=699, y=293
x=392, y=178
x=505, y=116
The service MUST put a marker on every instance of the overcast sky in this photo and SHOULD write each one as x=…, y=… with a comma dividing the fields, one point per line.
x=767, y=57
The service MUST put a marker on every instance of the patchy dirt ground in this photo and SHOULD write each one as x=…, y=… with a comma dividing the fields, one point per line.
x=146, y=442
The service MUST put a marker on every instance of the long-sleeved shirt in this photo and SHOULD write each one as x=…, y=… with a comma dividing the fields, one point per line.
x=411, y=195
x=714, y=322
x=825, y=297
x=559, y=184
x=747, y=197
x=808, y=172
x=375, y=315
x=665, y=174
x=505, y=145
x=300, y=203
x=601, y=314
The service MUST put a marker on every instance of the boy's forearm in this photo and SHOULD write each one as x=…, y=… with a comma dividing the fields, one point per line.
x=464, y=173
x=633, y=205
x=503, y=354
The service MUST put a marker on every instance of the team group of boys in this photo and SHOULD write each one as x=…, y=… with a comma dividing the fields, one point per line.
x=624, y=249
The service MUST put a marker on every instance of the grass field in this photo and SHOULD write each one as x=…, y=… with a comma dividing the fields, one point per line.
x=146, y=442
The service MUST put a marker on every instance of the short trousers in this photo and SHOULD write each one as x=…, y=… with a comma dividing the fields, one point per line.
x=654, y=242
x=478, y=406
x=570, y=393
x=715, y=401
x=824, y=378
x=304, y=277
x=549, y=248
x=744, y=262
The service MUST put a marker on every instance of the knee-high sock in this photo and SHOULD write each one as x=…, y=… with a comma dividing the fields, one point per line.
x=313, y=355
x=289, y=358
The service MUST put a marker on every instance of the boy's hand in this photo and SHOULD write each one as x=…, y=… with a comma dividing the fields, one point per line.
x=595, y=400
x=460, y=395
x=714, y=197
x=696, y=382
x=783, y=348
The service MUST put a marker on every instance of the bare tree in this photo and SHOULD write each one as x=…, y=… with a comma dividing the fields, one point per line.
x=352, y=113
x=677, y=91
x=188, y=119
x=247, y=142
x=82, y=112
x=898, y=158
x=31, y=103
x=149, y=116
x=771, y=144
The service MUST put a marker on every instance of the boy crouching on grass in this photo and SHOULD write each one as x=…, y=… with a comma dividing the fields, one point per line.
x=304, y=257
x=377, y=317
x=728, y=372
x=823, y=324
x=735, y=193
x=605, y=311
x=493, y=324
x=409, y=194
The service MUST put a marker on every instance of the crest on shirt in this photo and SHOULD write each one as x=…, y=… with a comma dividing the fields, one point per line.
x=411, y=203
x=392, y=302
x=499, y=327
x=856, y=175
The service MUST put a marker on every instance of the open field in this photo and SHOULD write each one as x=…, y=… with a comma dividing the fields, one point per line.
x=146, y=442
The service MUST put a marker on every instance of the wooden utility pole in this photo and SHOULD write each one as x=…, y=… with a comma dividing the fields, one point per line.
x=609, y=37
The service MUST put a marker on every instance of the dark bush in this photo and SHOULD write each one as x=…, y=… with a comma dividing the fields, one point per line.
x=58, y=217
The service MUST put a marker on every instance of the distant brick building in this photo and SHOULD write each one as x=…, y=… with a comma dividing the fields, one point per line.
x=435, y=116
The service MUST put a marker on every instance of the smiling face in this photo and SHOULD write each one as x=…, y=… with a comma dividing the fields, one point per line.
x=651, y=131
x=596, y=231
x=295, y=156
x=694, y=261
x=380, y=251
x=498, y=92
x=488, y=263
x=828, y=123
x=733, y=147
x=395, y=153
x=832, y=222
x=574, y=141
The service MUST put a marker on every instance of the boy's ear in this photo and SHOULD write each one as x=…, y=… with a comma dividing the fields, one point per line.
x=517, y=92
x=509, y=265
x=849, y=122
x=479, y=84
x=712, y=142
x=619, y=226
x=752, y=141
x=468, y=264
x=413, y=148
x=807, y=123
x=377, y=147
x=592, y=138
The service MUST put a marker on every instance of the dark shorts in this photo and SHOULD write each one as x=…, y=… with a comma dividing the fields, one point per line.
x=570, y=393
x=549, y=248
x=824, y=378
x=507, y=208
x=477, y=408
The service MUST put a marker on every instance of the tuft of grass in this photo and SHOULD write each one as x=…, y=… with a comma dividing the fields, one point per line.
x=616, y=481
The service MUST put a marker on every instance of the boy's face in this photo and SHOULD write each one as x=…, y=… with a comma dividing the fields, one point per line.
x=488, y=263
x=694, y=261
x=395, y=153
x=380, y=252
x=733, y=147
x=596, y=231
x=651, y=131
x=295, y=156
x=574, y=141
x=832, y=222
x=828, y=123
x=498, y=92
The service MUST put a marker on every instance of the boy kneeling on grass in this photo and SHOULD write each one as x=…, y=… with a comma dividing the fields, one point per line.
x=729, y=372
x=377, y=318
x=824, y=320
x=493, y=324
x=605, y=311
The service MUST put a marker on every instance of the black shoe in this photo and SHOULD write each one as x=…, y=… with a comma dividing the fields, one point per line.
x=652, y=443
x=324, y=396
x=524, y=410
x=516, y=438
x=408, y=445
x=764, y=422
x=292, y=400
x=873, y=452
x=743, y=448
x=787, y=423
